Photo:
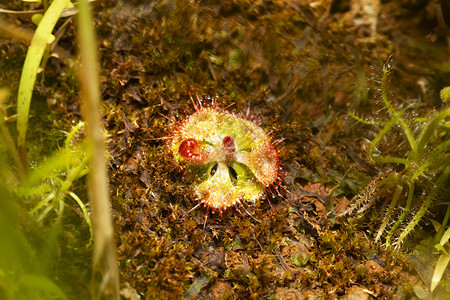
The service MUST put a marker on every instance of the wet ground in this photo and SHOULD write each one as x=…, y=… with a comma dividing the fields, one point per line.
x=299, y=67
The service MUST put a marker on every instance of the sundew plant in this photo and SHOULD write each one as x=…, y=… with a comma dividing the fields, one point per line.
x=424, y=167
x=234, y=157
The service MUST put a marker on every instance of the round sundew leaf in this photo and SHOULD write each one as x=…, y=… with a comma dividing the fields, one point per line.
x=262, y=161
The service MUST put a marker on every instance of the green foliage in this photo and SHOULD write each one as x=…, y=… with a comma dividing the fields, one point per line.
x=33, y=215
x=47, y=187
x=33, y=202
x=425, y=162
x=26, y=253
x=441, y=265
x=23, y=272
x=39, y=43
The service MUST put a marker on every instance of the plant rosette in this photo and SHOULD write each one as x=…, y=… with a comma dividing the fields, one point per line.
x=233, y=156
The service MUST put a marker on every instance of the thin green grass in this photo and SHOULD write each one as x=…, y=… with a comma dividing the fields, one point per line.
x=30, y=68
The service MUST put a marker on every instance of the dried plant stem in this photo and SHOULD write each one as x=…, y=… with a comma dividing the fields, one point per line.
x=104, y=260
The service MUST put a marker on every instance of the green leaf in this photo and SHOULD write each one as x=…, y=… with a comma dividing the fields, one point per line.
x=85, y=213
x=441, y=248
x=420, y=292
x=441, y=265
x=31, y=65
x=445, y=237
x=40, y=283
x=436, y=224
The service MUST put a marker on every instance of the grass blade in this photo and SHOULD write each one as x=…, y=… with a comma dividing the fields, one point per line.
x=30, y=68
x=441, y=265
